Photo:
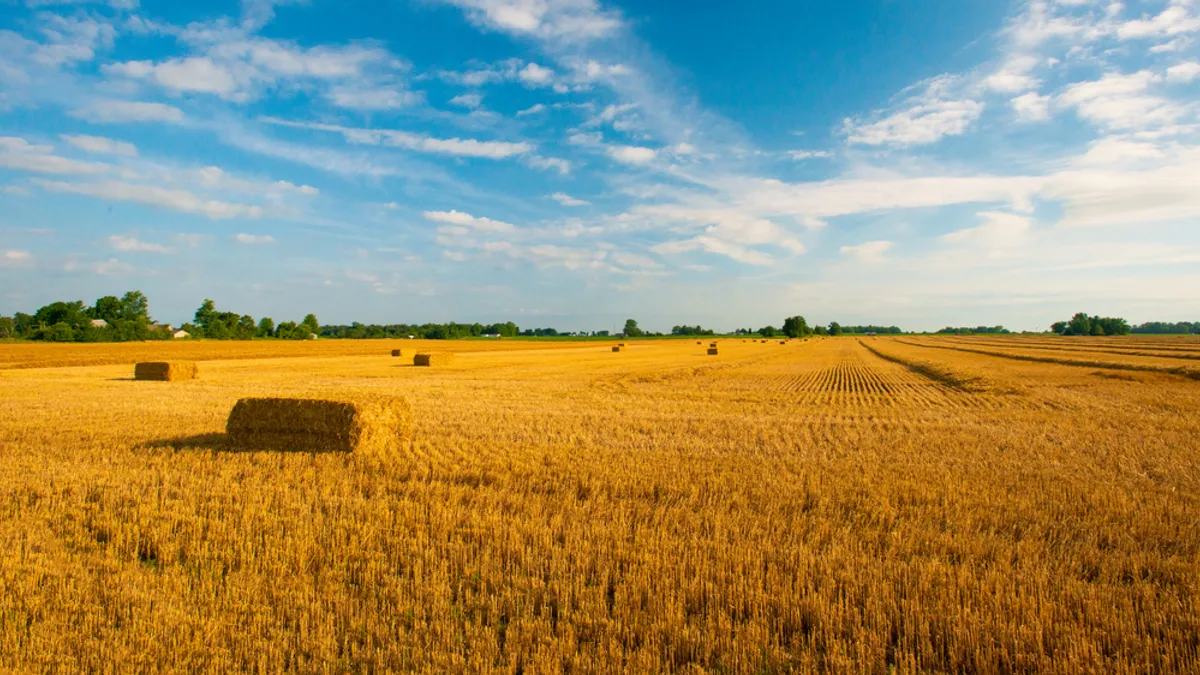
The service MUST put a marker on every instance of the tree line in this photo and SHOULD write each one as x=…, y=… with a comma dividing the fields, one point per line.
x=127, y=318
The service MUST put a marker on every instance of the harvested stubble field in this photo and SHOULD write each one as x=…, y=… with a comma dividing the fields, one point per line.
x=911, y=507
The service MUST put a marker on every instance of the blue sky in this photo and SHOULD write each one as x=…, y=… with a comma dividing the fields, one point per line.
x=571, y=163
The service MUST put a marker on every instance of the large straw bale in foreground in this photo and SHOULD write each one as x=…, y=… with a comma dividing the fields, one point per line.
x=166, y=371
x=377, y=426
x=433, y=359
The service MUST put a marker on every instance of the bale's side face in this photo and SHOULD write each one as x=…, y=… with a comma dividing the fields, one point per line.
x=166, y=371
x=433, y=359
x=616, y=349
x=380, y=427
x=396, y=352
x=712, y=351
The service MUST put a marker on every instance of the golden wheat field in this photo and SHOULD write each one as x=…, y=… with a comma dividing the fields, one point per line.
x=874, y=505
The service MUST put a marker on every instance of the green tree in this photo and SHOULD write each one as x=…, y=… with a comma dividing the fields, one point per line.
x=266, y=327
x=632, y=330
x=8, y=327
x=246, y=327
x=135, y=307
x=314, y=326
x=835, y=328
x=767, y=331
x=796, y=326
x=1059, y=327
x=70, y=313
x=1080, y=324
x=107, y=309
x=206, y=314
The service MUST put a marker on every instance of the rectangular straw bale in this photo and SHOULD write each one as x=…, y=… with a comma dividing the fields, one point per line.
x=396, y=352
x=617, y=348
x=166, y=371
x=379, y=426
x=712, y=351
x=433, y=359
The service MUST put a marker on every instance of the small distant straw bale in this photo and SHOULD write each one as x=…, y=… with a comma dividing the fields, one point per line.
x=396, y=352
x=166, y=371
x=433, y=359
x=712, y=351
x=617, y=348
x=377, y=426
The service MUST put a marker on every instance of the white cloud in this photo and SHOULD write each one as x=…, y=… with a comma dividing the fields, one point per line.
x=1118, y=151
x=195, y=74
x=801, y=155
x=20, y=155
x=150, y=195
x=538, y=162
x=534, y=75
x=628, y=154
x=467, y=220
x=1014, y=76
x=1184, y=72
x=404, y=139
x=101, y=145
x=16, y=258
x=924, y=118
x=128, y=111
x=999, y=231
x=534, y=109
x=919, y=125
x=558, y=20
x=470, y=100
x=133, y=244
x=15, y=190
x=372, y=98
x=567, y=200
x=1174, y=20
x=254, y=239
x=1031, y=107
x=1118, y=101
x=868, y=252
x=112, y=267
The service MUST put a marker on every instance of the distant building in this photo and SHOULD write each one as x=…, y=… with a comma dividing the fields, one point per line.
x=99, y=323
x=161, y=327
x=490, y=335
x=180, y=334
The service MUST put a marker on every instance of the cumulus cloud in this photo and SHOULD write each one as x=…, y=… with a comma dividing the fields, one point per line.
x=999, y=230
x=418, y=142
x=467, y=220
x=628, y=154
x=150, y=195
x=111, y=111
x=921, y=119
x=868, y=251
x=558, y=20
x=100, y=145
x=1031, y=107
x=470, y=100
x=567, y=200
x=133, y=244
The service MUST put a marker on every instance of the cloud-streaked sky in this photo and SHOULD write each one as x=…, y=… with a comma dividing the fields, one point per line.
x=575, y=162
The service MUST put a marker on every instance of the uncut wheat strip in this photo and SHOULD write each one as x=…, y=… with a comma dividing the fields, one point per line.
x=1081, y=342
x=1080, y=348
x=1103, y=365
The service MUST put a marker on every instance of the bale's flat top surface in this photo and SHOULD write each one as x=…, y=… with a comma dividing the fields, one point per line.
x=813, y=509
